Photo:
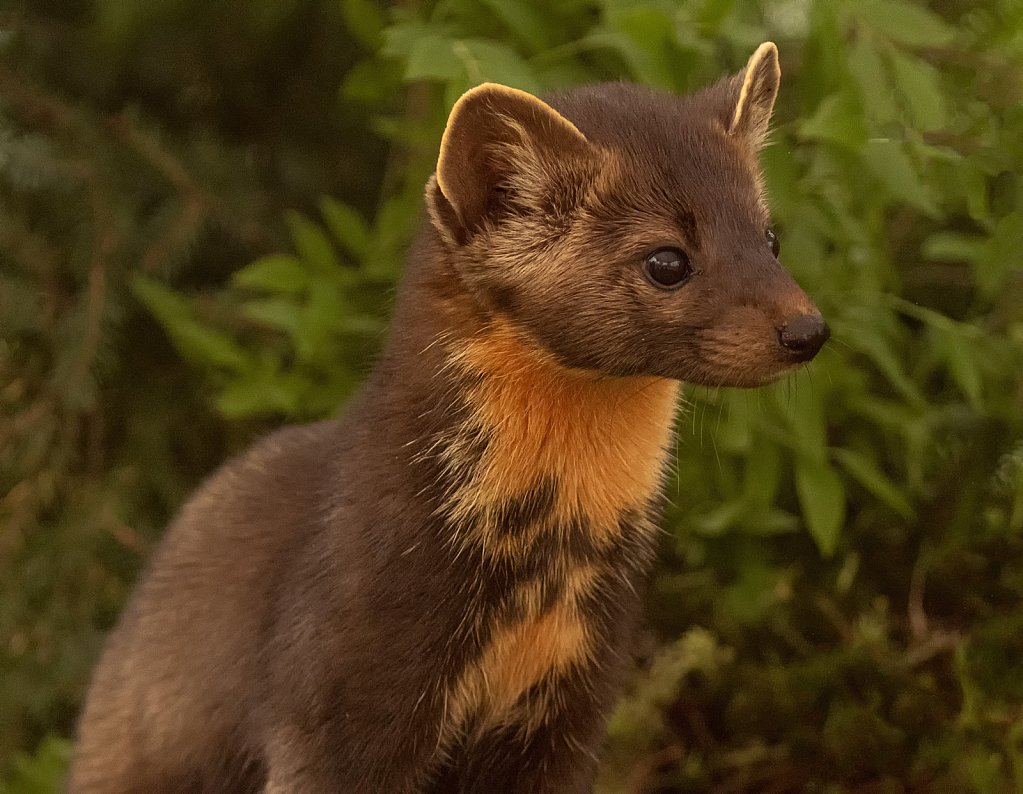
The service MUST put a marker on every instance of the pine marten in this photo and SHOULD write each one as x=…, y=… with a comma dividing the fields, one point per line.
x=439, y=591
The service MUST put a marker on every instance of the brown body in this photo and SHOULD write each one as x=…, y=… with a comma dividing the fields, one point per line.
x=438, y=592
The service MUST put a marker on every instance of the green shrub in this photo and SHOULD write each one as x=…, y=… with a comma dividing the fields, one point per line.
x=41, y=773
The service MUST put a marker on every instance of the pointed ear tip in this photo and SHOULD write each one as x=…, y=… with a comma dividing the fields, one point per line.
x=485, y=88
x=767, y=50
x=469, y=94
x=489, y=91
x=482, y=88
x=493, y=88
x=510, y=97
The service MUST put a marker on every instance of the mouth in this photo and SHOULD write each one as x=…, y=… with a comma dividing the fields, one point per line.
x=751, y=376
x=780, y=375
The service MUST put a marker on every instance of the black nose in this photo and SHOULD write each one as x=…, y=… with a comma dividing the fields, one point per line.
x=804, y=336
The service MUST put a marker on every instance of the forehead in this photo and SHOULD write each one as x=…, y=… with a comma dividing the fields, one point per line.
x=671, y=152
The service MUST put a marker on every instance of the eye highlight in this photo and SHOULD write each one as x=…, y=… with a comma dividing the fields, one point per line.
x=772, y=240
x=667, y=268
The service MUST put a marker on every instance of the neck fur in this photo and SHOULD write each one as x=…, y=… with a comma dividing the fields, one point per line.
x=581, y=448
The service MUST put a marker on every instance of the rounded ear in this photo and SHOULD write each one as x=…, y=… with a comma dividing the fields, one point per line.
x=495, y=137
x=759, y=81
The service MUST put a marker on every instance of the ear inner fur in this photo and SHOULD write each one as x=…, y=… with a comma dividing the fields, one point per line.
x=443, y=215
x=471, y=166
x=760, y=81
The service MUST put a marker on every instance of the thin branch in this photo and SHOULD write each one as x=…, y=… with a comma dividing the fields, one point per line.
x=937, y=643
x=915, y=602
x=104, y=245
x=35, y=103
x=834, y=615
x=196, y=203
x=199, y=205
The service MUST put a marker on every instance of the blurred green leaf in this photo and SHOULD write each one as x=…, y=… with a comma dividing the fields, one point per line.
x=275, y=313
x=361, y=324
x=41, y=773
x=495, y=62
x=400, y=39
x=385, y=257
x=273, y=273
x=1001, y=253
x=754, y=592
x=822, y=498
x=875, y=88
x=525, y=21
x=195, y=340
x=782, y=176
x=312, y=244
x=720, y=519
x=642, y=34
x=366, y=20
x=804, y=410
x=262, y=389
x=906, y=22
x=974, y=186
x=953, y=246
x=773, y=522
x=921, y=91
x=893, y=168
x=347, y=226
x=714, y=13
x=880, y=351
x=317, y=323
x=962, y=363
x=823, y=56
x=838, y=119
x=370, y=82
x=433, y=57
x=864, y=471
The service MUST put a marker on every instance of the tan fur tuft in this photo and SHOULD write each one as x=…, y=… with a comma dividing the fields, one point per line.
x=519, y=656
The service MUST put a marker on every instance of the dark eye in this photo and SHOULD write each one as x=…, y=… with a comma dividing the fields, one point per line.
x=668, y=267
x=772, y=240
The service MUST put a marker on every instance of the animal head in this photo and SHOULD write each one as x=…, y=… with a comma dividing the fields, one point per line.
x=626, y=231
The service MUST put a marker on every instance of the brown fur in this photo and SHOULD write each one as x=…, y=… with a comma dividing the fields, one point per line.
x=438, y=592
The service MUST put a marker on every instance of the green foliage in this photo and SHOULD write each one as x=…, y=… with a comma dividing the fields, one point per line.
x=41, y=773
x=132, y=152
x=837, y=605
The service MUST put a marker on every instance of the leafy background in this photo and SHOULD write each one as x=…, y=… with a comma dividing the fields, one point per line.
x=204, y=209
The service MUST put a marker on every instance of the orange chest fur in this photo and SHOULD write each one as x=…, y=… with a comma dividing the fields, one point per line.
x=598, y=446
x=601, y=441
